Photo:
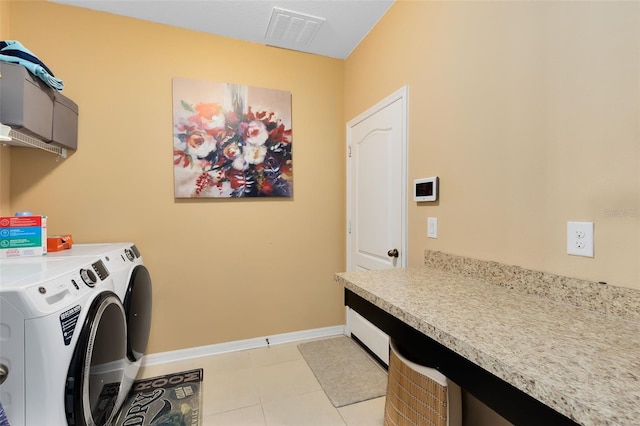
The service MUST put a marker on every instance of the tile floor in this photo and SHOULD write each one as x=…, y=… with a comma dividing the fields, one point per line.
x=268, y=387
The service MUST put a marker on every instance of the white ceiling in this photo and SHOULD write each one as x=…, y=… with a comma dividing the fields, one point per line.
x=342, y=24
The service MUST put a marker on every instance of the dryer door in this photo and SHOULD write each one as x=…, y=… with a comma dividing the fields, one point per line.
x=137, y=306
x=97, y=367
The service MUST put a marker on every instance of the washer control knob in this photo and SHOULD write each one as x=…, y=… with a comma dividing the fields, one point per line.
x=4, y=372
x=129, y=254
x=88, y=277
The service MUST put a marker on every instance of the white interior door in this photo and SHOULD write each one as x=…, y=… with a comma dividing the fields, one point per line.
x=377, y=201
x=377, y=186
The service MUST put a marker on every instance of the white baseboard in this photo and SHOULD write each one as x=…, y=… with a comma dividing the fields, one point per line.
x=240, y=345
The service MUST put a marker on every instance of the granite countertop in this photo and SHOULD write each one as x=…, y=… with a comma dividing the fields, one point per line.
x=582, y=363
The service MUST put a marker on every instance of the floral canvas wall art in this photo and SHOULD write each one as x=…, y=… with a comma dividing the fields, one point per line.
x=231, y=141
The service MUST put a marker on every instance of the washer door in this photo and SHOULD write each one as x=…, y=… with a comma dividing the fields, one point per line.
x=137, y=306
x=97, y=367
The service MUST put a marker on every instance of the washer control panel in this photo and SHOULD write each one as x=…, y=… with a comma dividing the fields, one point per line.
x=56, y=293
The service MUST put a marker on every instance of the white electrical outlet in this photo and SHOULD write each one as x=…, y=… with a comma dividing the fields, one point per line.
x=580, y=238
x=432, y=227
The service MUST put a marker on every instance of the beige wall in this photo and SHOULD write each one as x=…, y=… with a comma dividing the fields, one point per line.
x=222, y=270
x=529, y=114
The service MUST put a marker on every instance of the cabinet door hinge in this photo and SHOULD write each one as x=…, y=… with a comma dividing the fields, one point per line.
x=349, y=151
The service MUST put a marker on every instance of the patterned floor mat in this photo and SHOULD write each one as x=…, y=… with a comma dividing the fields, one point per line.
x=169, y=400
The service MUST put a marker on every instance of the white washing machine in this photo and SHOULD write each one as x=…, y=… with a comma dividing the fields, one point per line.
x=63, y=342
x=132, y=283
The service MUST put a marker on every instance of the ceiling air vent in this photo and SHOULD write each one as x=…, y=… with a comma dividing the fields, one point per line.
x=291, y=30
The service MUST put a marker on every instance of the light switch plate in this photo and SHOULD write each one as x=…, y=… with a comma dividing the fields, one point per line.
x=580, y=238
x=432, y=227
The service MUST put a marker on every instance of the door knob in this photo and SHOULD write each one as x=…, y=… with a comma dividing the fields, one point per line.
x=392, y=253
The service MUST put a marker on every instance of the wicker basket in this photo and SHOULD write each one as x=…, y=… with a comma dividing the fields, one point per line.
x=418, y=395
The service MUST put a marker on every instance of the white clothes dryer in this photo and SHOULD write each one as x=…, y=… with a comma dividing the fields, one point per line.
x=132, y=283
x=62, y=342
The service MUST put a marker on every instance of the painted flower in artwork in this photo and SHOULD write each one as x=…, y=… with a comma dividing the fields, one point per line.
x=231, y=153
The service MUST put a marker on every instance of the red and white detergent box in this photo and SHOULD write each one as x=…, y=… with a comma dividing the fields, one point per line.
x=22, y=236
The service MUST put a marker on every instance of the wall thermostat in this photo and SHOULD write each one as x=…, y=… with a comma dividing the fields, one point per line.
x=425, y=189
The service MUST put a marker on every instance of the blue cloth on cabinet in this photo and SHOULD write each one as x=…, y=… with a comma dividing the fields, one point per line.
x=13, y=51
